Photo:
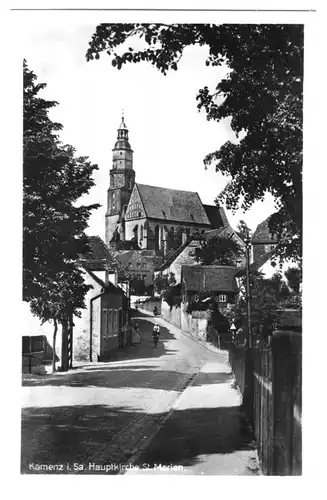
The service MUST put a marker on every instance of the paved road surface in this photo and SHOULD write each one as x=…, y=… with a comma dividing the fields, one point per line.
x=172, y=409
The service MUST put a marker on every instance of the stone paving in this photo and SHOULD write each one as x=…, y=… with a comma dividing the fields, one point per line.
x=100, y=418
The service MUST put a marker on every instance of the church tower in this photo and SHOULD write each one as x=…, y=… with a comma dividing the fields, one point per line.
x=122, y=179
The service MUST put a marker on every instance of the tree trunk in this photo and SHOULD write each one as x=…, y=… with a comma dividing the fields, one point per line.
x=54, y=345
x=70, y=343
x=64, y=346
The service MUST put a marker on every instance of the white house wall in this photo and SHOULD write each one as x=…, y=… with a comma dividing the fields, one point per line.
x=186, y=257
x=82, y=324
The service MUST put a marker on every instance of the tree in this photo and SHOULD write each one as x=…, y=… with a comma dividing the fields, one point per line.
x=262, y=94
x=53, y=222
x=294, y=278
x=220, y=250
x=61, y=300
x=265, y=306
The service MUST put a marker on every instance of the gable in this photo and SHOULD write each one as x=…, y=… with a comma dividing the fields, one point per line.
x=262, y=234
x=135, y=208
x=216, y=216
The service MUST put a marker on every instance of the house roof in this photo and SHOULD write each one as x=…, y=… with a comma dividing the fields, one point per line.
x=173, y=254
x=101, y=258
x=262, y=234
x=209, y=278
x=98, y=257
x=110, y=287
x=172, y=205
x=216, y=216
x=257, y=264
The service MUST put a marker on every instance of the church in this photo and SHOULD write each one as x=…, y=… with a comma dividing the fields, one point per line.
x=150, y=217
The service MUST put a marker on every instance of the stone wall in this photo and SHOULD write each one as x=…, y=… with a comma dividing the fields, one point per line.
x=171, y=314
x=149, y=305
x=194, y=324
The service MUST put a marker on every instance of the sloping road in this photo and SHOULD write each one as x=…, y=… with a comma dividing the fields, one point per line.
x=147, y=409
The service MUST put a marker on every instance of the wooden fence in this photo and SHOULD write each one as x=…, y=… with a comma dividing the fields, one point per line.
x=277, y=380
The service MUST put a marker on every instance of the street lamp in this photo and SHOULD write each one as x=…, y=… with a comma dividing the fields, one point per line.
x=248, y=395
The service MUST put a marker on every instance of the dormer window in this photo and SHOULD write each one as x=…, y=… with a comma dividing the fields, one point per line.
x=192, y=218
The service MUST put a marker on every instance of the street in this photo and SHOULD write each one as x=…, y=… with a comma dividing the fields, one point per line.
x=171, y=409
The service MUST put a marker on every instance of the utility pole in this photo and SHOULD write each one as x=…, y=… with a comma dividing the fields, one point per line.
x=248, y=395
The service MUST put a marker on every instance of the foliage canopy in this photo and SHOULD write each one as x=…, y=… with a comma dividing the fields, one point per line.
x=53, y=222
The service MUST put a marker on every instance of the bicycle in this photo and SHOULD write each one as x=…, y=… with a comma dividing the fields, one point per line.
x=155, y=340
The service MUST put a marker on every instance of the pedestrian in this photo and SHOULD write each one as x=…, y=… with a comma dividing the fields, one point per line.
x=137, y=336
x=155, y=334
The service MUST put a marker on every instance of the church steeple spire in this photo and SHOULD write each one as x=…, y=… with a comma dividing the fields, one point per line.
x=122, y=179
x=122, y=136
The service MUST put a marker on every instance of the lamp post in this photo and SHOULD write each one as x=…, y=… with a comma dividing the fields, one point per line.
x=248, y=396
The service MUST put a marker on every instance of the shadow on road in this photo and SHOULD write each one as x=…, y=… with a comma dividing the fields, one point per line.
x=81, y=434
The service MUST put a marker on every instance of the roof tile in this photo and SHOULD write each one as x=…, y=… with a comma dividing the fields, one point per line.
x=172, y=205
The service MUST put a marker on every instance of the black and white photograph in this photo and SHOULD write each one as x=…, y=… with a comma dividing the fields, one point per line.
x=162, y=223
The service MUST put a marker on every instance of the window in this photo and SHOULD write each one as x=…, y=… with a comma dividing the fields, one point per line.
x=109, y=327
x=141, y=231
x=140, y=214
x=138, y=276
x=115, y=323
x=192, y=217
x=104, y=322
x=222, y=298
x=144, y=277
x=163, y=213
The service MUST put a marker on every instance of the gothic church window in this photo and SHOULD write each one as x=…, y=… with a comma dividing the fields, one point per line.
x=135, y=231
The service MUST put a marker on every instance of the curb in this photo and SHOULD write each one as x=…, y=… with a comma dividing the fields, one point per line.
x=142, y=443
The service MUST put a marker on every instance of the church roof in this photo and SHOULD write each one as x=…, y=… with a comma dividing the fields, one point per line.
x=216, y=216
x=172, y=205
x=262, y=234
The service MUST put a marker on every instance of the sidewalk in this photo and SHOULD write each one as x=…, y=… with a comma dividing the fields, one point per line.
x=205, y=432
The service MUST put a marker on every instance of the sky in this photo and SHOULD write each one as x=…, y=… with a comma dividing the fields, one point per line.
x=169, y=136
